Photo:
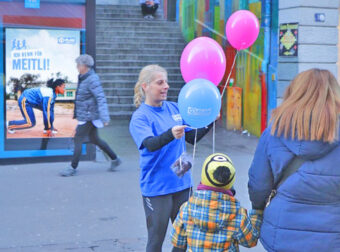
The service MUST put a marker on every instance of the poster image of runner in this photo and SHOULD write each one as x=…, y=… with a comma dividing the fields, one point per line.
x=34, y=56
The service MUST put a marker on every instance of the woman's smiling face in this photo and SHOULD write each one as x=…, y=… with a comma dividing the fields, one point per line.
x=157, y=91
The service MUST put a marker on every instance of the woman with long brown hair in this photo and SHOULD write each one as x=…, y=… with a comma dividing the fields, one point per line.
x=295, y=174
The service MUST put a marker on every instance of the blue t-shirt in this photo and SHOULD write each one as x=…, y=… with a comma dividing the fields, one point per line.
x=156, y=177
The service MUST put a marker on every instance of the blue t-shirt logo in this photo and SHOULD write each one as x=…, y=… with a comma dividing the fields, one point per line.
x=177, y=118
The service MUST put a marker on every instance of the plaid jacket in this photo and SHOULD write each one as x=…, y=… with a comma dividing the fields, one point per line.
x=213, y=221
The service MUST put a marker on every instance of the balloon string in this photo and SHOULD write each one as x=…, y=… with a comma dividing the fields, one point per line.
x=192, y=165
x=214, y=136
x=180, y=158
x=231, y=70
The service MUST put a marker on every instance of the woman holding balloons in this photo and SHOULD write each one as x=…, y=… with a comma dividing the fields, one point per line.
x=159, y=127
x=160, y=133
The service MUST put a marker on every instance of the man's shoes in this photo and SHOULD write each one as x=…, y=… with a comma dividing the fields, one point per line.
x=149, y=17
x=68, y=171
x=114, y=164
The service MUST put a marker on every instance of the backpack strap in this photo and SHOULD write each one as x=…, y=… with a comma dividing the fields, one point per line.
x=292, y=167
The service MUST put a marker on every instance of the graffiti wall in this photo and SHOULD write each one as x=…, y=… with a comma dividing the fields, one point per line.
x=255, y=68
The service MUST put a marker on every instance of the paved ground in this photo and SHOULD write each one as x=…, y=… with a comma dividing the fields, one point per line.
x=96, y=210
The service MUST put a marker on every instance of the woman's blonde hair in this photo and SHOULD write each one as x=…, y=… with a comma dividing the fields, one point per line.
x=310, y=109
x=146, y=75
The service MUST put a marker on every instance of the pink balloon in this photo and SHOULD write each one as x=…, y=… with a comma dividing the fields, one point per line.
x=203, y=58
x=242, y=29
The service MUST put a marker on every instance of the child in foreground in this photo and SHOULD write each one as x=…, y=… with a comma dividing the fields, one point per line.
x=212, y=219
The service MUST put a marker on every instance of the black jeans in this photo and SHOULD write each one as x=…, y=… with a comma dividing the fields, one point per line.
x=90, y=132
x=149, y=10
x=158, y=211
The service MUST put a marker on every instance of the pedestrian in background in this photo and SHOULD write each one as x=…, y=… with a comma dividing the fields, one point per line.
x=92, y=113
x=295, y=174
x=149, y=8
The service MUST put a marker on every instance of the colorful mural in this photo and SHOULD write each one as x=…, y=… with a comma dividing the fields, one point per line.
x=255, y=69
x=234, y=108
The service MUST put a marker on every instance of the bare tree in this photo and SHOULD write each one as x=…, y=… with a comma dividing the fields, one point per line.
x=26, y=81
x=30, y=80
x=59, y=75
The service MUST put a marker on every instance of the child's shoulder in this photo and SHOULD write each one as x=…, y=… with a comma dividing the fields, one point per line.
x=224, y=201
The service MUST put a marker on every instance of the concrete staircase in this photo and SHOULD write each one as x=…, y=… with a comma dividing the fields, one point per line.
x=125, y=43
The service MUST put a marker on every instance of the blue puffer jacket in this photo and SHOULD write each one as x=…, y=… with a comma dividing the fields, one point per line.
x=304, y=216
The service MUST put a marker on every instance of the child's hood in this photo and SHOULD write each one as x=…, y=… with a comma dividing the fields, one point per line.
x=211, y=211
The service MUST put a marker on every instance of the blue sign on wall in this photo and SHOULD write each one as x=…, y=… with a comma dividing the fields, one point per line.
x=320, y=17
x=35, y=4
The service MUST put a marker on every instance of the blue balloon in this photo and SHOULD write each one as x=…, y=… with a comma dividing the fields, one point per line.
x=199, y=103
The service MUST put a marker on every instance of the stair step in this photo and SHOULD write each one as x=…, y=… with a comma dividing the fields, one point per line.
x=137, y=23
x=138, y=28
x=121, y=115
x=148, y=51
x=102, y=35
x=127, y=84
x=143, y=40
x=118, y=7
x=117, y=2
x=113, y=91
x=136, y=63
x=137, y=11
x=133, y=76
x=130, y=99
x=100, y=21
x=118, y=11
x=133, y=43
x=119, y=99
x=135, y=19
x=121, y=107
x=141, y=57
x=123, y=9
x=108, y=47
x=122, y=70
x=128, y=16
x=159, y=48
x=125, y=14
x=175, y=85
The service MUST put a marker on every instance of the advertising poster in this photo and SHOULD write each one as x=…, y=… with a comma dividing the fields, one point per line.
x=33, y=56
x=288, y=39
